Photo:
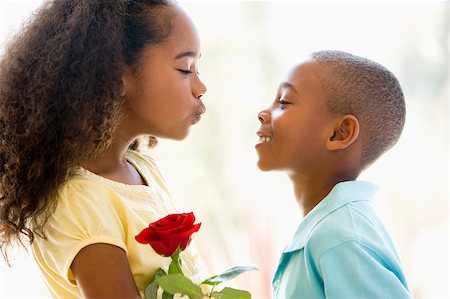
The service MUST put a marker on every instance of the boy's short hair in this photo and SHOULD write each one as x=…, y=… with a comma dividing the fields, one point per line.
x=370, y=92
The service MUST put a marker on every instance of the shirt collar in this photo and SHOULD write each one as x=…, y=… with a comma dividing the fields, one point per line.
x=341, y=194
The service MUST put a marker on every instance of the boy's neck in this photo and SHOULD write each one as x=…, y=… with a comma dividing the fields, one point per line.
x=310, y=192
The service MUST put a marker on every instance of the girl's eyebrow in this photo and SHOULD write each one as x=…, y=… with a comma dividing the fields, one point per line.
x=191, y=54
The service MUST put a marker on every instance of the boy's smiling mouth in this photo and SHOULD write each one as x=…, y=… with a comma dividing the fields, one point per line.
x=263, y=137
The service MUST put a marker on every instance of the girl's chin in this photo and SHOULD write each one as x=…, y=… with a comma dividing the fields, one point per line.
x=178, y=135
x=181, y=136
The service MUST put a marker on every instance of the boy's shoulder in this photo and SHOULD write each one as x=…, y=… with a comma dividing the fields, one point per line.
x=354, y=222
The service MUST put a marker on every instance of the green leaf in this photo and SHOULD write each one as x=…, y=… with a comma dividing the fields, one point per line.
x=229, y=293
x=166, y=295
x=151, y=291
x=179, y=284
x=228, y=274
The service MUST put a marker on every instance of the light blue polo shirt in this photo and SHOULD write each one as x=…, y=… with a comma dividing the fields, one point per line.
x=341, y=250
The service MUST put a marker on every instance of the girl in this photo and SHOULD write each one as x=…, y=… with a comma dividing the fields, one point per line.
x=78, y=85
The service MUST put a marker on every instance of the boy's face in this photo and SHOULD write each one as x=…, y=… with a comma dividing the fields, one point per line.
x=296, y=125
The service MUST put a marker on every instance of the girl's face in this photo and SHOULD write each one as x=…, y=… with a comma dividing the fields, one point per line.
x=163, y=93
x=296, y=125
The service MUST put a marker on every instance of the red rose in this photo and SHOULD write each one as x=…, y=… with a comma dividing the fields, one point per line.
x=169, y=233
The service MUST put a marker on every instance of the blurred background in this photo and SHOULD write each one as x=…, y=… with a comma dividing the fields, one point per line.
x=248, y=216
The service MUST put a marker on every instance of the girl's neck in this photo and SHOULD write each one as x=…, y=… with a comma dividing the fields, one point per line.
x=112, y=163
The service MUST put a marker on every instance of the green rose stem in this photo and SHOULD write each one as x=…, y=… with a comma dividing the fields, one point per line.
x=175, y=264
x=174, y=268
x=212, y=291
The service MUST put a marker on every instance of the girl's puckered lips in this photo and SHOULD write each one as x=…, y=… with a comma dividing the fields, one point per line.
x=197, y=117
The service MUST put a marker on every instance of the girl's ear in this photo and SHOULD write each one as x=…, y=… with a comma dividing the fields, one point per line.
x=126, y=80
x=345, y=132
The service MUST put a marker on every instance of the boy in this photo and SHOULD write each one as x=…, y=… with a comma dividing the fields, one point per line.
x=333, y=116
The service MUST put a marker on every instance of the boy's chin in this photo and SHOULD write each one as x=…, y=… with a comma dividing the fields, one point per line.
x=263, y=166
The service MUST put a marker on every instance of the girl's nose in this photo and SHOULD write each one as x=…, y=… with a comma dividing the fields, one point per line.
x=199, y=89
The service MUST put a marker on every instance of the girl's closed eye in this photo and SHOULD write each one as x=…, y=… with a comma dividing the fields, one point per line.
x=185, y=72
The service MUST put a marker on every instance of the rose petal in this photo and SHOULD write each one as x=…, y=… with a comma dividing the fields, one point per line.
x=145, y=236
x=161, y=248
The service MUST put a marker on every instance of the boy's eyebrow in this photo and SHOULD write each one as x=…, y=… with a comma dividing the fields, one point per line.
x=191, y=54
x=287, y=85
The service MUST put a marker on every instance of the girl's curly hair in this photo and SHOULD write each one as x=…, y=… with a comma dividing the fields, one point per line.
x=60, y=86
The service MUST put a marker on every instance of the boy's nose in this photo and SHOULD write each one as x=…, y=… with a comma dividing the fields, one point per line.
x=263, y=116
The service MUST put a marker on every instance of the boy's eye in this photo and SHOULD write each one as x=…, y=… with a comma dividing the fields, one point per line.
x=282, y=104
x=185, y=72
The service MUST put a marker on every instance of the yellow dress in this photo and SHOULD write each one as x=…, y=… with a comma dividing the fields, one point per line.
x=92, y=209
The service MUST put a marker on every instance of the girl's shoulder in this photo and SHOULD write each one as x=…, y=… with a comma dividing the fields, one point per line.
x=80, y=190
x=83, y=186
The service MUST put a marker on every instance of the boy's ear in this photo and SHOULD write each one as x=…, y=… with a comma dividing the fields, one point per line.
x=344, y=134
